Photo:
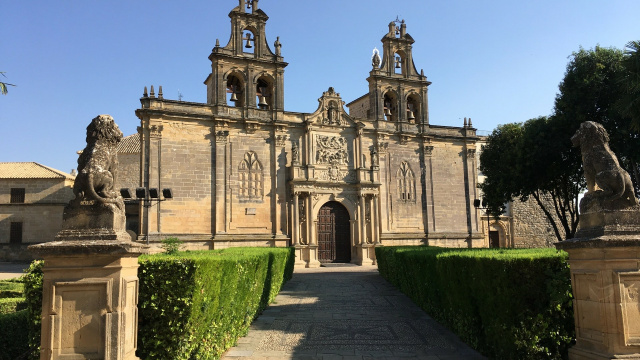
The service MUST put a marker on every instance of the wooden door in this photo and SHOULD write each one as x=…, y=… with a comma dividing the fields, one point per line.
x=494, y=239
x=334, y=233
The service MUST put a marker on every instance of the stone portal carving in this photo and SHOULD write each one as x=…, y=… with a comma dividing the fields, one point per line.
x=332, y=150
x=609, y=187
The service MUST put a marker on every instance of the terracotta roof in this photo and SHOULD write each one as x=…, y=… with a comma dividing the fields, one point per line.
x=130, y=145
x=30, y=170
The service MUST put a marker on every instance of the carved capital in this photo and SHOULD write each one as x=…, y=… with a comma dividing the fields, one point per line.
x=428, y=150
x=281, y=140
x=222, y=136
x=251, y=127
x=383, y=147
x=155, y=131
x=471, y=153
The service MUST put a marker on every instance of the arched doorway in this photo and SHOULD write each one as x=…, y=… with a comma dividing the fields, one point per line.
x=334, y=234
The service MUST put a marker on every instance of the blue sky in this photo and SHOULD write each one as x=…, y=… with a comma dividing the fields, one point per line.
x=496, y=61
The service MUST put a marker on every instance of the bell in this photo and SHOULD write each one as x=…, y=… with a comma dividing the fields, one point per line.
x=410, y=115
x=398, y=64
x=234, y=97
x=387, y=112
x=249, y=40
x=263, y=102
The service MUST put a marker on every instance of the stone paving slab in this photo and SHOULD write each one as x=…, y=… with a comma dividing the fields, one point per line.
x=346, y=312
x=11, y=270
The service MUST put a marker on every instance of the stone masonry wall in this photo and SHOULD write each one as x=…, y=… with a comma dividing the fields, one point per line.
x=531, y=228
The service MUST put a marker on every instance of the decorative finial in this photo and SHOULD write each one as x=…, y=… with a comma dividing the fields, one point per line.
x=153, y=92
x=145, y=94
x=160, y=92
x=375, y=59
x=217, y=43
x=470, y=125
x=465, y=122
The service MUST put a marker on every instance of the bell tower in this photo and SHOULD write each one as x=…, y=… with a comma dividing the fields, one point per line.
x=247, y=73
x=397, y=92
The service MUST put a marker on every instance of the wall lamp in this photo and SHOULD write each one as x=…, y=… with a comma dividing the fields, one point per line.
x=147, y=196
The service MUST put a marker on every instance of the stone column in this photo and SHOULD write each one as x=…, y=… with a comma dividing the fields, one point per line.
x=295, y=231
x=375, y=220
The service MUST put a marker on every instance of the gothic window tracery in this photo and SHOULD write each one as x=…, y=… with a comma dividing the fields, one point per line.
x=406, y=183
x=251, y=177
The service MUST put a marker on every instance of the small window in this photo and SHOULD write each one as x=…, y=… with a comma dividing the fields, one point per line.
x=17, y=195
x=15, y=237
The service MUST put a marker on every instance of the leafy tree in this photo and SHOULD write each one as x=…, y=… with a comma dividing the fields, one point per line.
x=533, y=160
x=591, y=91
x=629, y=102
x=3, y=85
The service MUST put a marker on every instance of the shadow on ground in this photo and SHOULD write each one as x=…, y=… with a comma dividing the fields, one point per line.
x=346, y=313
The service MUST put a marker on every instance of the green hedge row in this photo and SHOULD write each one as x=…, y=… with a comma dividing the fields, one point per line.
x=13, y=332
x=192, y=305
x=507, y=304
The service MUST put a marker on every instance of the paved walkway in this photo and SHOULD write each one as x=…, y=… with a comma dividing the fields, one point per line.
x=11, y=270
x=347, y=312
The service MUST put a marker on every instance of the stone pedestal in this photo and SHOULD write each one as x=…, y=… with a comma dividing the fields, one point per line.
x=366, y=254
x=605, y=276
x=90, y=296
x=313, y=257
x=299, y=261
x=91, y=220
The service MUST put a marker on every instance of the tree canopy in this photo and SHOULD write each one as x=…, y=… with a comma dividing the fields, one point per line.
x=536, y=159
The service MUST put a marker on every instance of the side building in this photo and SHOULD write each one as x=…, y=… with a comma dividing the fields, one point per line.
x=332, y=183
x=32, y=200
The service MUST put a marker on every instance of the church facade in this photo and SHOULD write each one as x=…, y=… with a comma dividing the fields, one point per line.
x=332, y=183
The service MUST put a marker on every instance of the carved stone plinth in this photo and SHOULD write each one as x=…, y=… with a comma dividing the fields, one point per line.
x=366, y=254
x=605, y=276
x=90, y=296
x=93, y=221
x=299, y=261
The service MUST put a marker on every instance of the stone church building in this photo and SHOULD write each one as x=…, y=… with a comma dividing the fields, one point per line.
x=332, y=183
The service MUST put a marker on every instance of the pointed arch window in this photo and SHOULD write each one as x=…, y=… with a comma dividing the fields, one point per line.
x=406, y=183
x=390, y=108
x=413, y=108
x=251, y=177
x=264, y=92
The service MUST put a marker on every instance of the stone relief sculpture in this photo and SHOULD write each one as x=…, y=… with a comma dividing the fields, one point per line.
x=98, y=163
x=609, y=187
x=332, y=150
x=295, y=153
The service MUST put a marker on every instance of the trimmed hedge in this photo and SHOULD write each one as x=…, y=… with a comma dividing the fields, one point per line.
x=192, y=305
x=507, y=303
x=14, y=335
x=11, y=305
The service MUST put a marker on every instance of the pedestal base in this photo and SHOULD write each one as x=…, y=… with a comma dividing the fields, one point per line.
x=605, y=276
x=365, y=254
x=90, y=297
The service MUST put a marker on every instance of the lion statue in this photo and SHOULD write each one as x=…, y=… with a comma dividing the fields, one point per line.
x=608, y=185
x=97, y=164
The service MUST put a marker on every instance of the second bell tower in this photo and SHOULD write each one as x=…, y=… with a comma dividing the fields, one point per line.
x=247, y=73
